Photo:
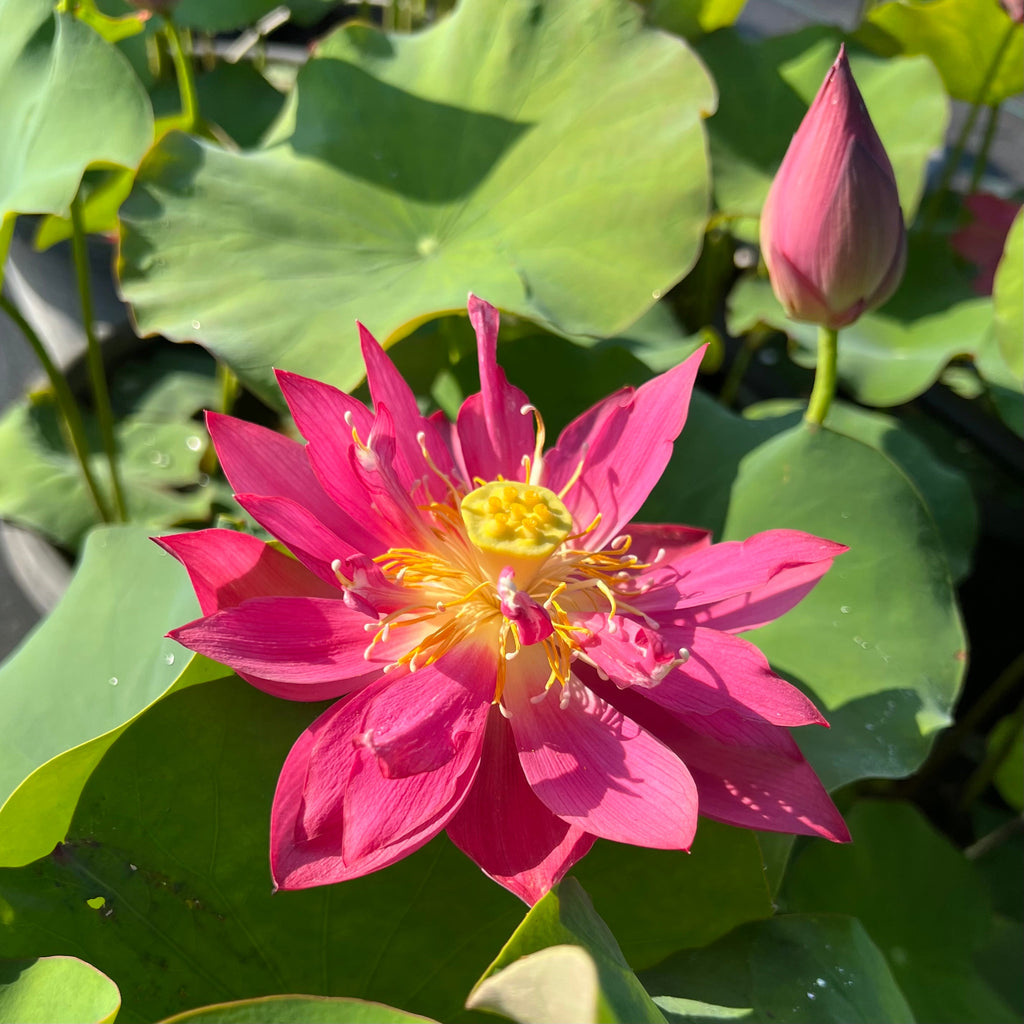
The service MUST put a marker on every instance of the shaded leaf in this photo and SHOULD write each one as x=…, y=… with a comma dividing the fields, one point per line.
x=920, y=900
x=814, y=968
x=558, y=171
x=944, y=489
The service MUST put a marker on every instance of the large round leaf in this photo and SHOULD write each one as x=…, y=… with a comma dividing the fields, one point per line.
x=879, y=642
x=962, y=37
x=766, y=87
x=550, y=158
x=297, y=1010
x=67, y=99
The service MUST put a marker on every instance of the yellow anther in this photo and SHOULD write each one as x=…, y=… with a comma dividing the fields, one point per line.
x=515, y=520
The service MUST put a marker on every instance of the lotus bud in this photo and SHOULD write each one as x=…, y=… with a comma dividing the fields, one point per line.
x=832, y=231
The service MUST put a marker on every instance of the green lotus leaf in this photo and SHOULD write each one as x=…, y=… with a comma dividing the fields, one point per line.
x=550, y=158
x=169, y=841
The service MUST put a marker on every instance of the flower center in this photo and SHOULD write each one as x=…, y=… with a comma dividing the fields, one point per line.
x=516, y=521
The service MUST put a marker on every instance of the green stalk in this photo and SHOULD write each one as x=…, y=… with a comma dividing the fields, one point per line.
x=983, y=774
x=183, y=73
x=66, y=403
x=94, y=360
x=981, y=159
x=949, y=169
x=824, y=389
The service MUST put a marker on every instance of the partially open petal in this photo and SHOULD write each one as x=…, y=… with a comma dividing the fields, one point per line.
x=504, y=827
x=735, y=569
x=227, y=568
x=494, y=433
x=661, y=543
x=381, y=773
x=597, y=769
x=291, y=639
x=747, y=773
x=614, y=481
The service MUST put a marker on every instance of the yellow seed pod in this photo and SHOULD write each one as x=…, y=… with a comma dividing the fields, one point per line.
x=515, y=520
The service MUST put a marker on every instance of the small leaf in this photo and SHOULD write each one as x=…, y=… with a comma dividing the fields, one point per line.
x=297, y=1010
x=56, y=990
x=1008, y=297
x=562, y=933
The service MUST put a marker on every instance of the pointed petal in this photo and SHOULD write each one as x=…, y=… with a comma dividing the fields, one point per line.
x=388, y=387
x=764, y=604
x=734, y=569
x=292, y=639
x=502, y=825
x=315, y=545
x=597, y=769
x=340, y=811
x=725, y=672
x=747, y=773
x=227, y=567
x=494, y=432
x=261, y=461
x=614, y=482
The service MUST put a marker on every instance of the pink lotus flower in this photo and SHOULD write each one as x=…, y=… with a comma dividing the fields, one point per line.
x=517, y=662
x=832, y=232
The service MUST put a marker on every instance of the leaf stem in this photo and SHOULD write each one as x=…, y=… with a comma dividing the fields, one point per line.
x=981, y=159
x=66, y=404
x=94, y=359
x=824, y=389
x=953, y=161
x=183, y=73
